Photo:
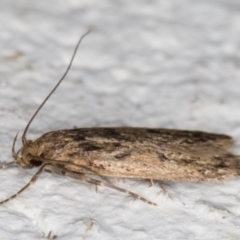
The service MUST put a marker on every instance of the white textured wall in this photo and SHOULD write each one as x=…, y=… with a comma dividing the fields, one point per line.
x=172, y=64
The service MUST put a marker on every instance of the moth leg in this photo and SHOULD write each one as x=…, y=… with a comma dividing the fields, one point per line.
x=49, y=236
x=152, y=183
x=32, y=181
x=6, y=165
x=164, y=190
x=100, y=183
x=90, y=225
x=116, y=180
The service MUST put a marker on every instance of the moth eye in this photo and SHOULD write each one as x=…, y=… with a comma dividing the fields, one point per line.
x=36, y=163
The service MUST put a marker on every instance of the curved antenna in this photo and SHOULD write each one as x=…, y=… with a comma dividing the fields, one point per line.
x=6, y=165
x=24, y=140
x=14, y=154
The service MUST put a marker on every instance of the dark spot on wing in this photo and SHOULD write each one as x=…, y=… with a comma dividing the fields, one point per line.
x=197, y=136
x=87, y=146
x=221, y=162
x=162, y=157
x=74, y=154
x=79, y=137
x=153, y=131
x=117, y=134
x=122, y=156
x=116, y=145
x=60, y=145
x=222, y=165
x=111, y=132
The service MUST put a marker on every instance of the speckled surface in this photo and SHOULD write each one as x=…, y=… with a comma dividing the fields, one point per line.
x=171, y=64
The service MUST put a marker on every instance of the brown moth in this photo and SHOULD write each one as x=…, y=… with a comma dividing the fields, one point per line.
x=153, y=154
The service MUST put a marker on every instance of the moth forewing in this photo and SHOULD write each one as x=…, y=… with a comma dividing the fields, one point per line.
x=158, y=154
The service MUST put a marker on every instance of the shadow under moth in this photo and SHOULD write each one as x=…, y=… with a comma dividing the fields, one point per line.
x=141, y=153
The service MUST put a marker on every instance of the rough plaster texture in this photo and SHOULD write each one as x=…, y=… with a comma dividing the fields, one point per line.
x=167, y=64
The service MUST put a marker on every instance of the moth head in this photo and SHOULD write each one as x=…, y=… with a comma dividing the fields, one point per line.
x=28, y=151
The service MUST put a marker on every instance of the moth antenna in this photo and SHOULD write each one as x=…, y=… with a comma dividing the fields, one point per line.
x=13, y=154
x=24, y=140
x=33, y=180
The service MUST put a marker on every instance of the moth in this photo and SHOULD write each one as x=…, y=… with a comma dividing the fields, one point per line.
x=141, y=153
